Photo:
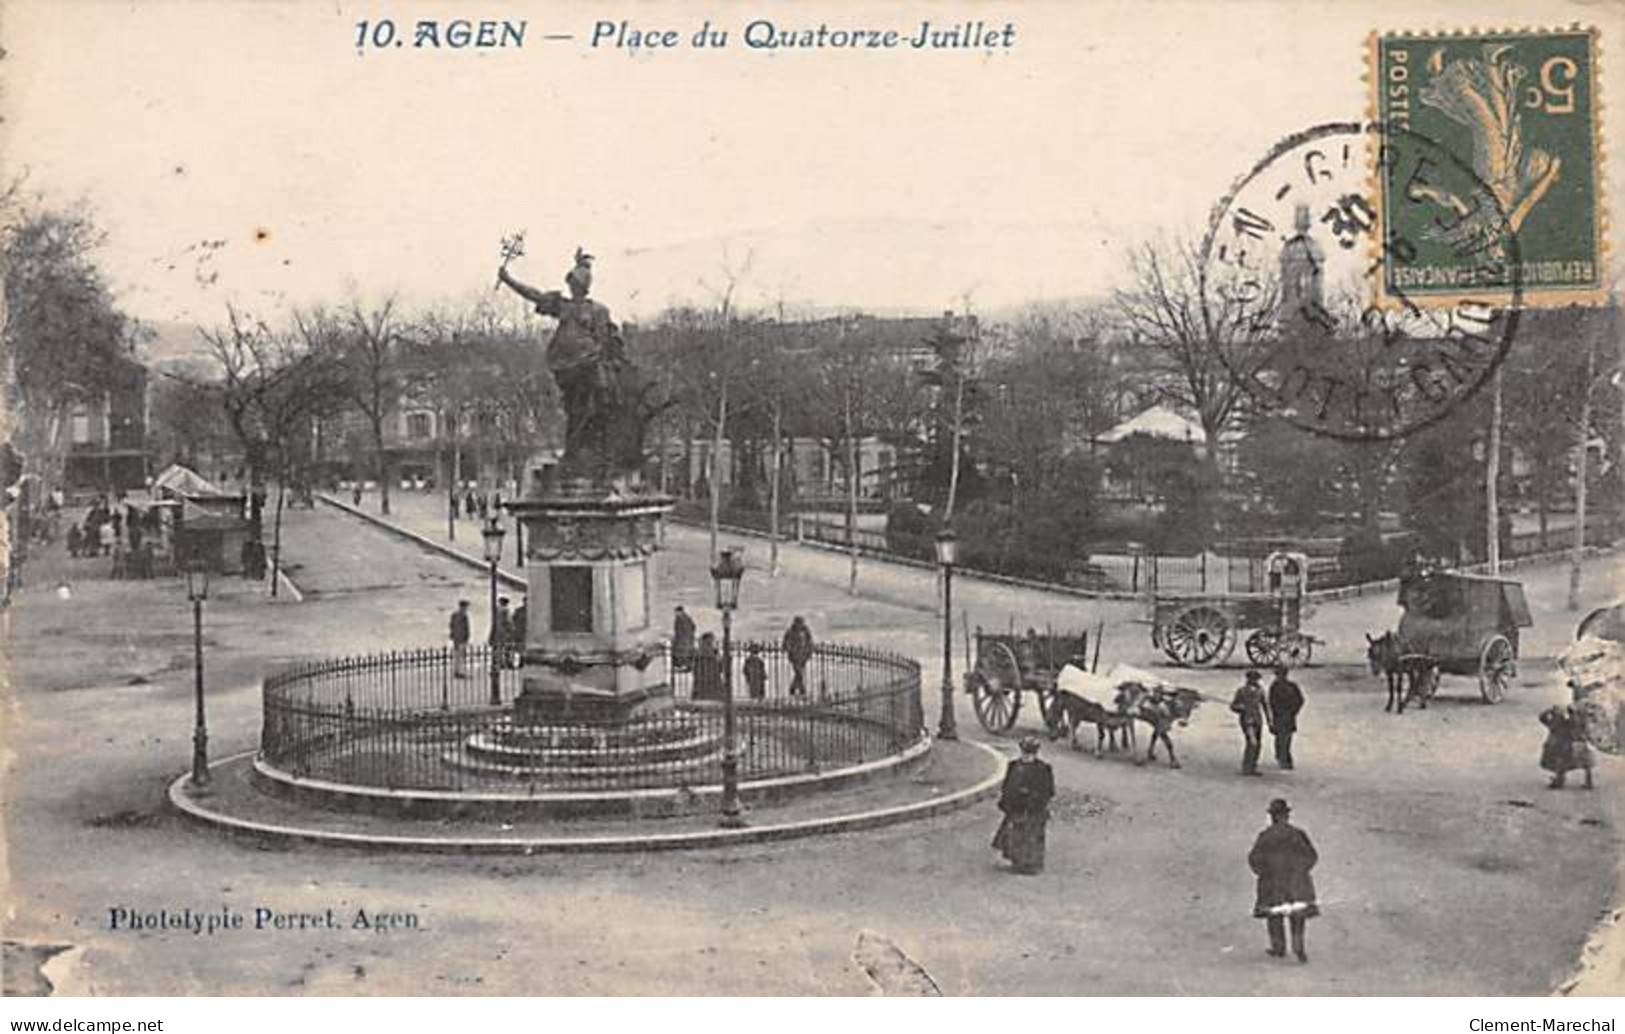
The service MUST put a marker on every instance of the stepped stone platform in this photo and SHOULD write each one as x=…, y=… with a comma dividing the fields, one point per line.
x=564, y=752
x=947, y=777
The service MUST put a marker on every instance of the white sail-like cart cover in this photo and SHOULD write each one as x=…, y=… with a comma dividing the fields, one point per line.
x=1595, y=671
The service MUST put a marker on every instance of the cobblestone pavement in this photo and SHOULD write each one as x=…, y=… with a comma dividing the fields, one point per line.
x=1446, y=866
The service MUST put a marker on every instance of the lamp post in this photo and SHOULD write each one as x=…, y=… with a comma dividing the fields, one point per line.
x=197, y=590
x=492, y=533
x=947, y=555
x=727, y=573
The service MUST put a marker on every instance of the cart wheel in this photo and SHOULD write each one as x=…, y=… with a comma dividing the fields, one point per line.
x=996, y=688
x=1263, y=649
x=1197, y=636
x=1296, y=650
x=1497, y=667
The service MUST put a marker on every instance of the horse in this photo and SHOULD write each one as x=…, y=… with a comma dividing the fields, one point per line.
x=1071, y=710
x=1159, y=708
x=1411, y=676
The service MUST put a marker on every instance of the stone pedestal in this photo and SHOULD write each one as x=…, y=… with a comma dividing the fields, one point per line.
x=593, y=651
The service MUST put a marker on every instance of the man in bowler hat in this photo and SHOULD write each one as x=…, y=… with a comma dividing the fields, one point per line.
x=1281, y=859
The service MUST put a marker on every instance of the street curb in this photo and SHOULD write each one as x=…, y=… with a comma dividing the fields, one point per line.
x=960, y=573
x=288, y=586
x=513, y=580
x=1342, y=592
x=875, y=819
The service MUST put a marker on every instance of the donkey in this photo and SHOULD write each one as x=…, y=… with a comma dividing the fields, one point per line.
x=1071, y=710
x=1159, y=708
x=1411, y=676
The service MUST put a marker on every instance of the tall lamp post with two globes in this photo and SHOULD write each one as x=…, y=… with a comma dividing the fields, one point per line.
x=493, y=533
x=727, y=573
x=947, y=556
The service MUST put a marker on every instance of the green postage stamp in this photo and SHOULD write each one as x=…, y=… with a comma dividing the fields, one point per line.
x=1519, y=110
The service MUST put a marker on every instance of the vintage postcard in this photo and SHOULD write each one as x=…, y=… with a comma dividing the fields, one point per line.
x=978, y=498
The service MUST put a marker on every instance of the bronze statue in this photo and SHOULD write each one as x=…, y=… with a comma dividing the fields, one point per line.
x=604, y=396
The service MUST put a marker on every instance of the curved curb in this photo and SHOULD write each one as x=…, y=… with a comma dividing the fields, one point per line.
x=369, y=799
x=581, y=845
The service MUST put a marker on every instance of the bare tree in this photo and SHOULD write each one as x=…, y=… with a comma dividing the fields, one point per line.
x=1192, y=317
x=271, y=386
x=364, y=343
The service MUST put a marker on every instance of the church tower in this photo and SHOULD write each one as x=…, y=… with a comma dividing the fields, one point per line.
x=1303, y=264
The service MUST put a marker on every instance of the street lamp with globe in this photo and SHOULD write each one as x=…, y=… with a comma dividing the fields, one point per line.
x=727, y=573
x=197, y=590
x=493, y=533
x=947, y=556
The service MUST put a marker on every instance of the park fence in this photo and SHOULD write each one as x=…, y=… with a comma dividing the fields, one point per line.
x=404, y=720
x=1231, y=567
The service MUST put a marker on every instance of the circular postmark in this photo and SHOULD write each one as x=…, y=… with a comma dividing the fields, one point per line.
x=1360, y=281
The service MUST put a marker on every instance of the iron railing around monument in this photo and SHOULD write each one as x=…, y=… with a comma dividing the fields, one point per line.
x=405, y=721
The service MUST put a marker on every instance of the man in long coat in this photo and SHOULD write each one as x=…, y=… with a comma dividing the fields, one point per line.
x=1281, y=859
x=459, y=640
x=798, y=649
x=1029, y=785
x=682, y=640
x=1285, y=701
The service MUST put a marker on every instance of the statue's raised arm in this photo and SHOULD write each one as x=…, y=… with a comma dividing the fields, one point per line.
x=548, y=303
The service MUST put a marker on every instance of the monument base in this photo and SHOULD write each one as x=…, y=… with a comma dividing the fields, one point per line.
x=551, y=698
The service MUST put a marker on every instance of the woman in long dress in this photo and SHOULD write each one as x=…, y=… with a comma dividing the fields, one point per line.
x=1565, y=747
x=1029, y=785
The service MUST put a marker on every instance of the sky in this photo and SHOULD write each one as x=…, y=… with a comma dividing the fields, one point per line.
x=887, y=180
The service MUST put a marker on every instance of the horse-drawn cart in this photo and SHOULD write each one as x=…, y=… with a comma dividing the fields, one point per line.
x=1203, y=630
x=1008, y=663
x=1464, y=624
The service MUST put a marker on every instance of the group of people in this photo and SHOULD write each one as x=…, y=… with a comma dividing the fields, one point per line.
x=1275, y=711
x=118, y=530
x=474, y=504
x=505, y=636
x=1281, y=857
x=702, y=657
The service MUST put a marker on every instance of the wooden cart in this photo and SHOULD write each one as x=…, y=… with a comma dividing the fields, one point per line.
x=1204, y=630
x=1009, y=663
x=1465, y=624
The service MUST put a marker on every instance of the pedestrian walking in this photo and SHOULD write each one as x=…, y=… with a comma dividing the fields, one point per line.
x=355, y=494
x=517, y=628
x=682, y=640
x=1252, y=711
x=798, y=649
x=459, y=640
x=756, y=673
x=708, y=670
x=108, y=537
x=469, y=506
x=1285, y=701
x=1281, y=859
x=1565, y=747
x=1029, y=786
